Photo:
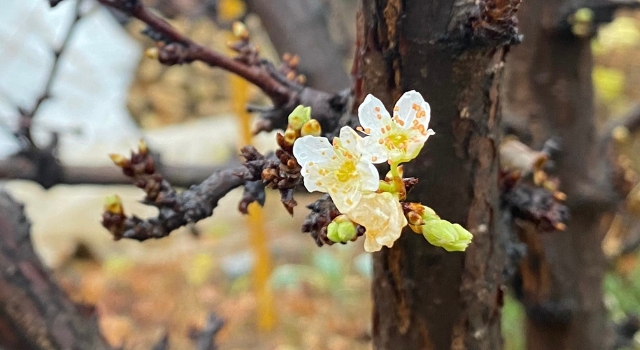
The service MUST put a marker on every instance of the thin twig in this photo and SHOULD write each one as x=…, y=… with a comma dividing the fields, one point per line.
x=177, y=209
x=27, y=115
x=281, y=86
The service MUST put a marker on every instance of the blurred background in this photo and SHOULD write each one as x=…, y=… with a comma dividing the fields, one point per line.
x=106, y=95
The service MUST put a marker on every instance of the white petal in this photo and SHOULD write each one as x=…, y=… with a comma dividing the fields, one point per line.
x=351, y=141
x=405, y=111
x=345, y=199
x=312, y=149
x=371, y=245
x=311, y=182
x=373, y=151
x=372, y=114
x=369, y=176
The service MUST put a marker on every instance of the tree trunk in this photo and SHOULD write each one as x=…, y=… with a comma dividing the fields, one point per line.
x=34, y=312
x=453, y=53
x=549, y=93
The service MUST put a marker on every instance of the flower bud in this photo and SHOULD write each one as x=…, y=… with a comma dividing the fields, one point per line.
x=299, y=117
x=341, y=229
x=429, y=214
x=312, y=127
x=239, y=30
x=151, y=53
x=119, y=160
x=290, y=136
x=143, y=149
x=425, y=212
x=113, y=204
x=415, y=219
x=442, y=233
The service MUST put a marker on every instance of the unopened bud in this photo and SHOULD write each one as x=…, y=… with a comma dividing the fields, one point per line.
x=426, y=213
x=240, y=31
x=341, y=229
x=442, y=233
x=151, y=53
x=299, y=117
x=429, y=214
x=142, y=147
x=620, y=134
x=113, y=204
x=415, y=219
x=312, y=127
x=294, y=61
x=560, y=196
x=290, y=136
x=119, y=160
x=416, y=229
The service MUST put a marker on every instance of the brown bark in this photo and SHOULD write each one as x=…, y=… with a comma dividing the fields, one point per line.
x=34, y=312
x=452, y=53
x=548, y=90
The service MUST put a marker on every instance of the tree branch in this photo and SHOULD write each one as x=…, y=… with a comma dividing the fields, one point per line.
x=279, y=171
x=26, y=168
x=283, y=86
x=26, y=116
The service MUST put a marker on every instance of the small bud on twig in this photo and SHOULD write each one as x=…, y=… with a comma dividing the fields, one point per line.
x=113, y=204
x=240, y=31
x=119, y=160
x=312, y=127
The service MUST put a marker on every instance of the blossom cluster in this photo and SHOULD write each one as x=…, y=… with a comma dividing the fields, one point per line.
x=345, y=169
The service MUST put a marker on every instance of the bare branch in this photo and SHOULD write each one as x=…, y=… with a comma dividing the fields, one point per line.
x=27, y=115
x=48, y=174
x=279, y=171
x=175, y=209
x=205, y=338
x=283, y=86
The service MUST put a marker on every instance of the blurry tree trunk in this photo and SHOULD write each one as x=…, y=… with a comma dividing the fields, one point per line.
x=452, y=52
x=548, y=92
x=34, y=312
x=301, y=27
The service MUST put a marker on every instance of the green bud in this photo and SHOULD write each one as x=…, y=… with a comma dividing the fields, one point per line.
x=341, y=229
x=583, y=15
x=312, y=127
x=299, y=116
x=429, y=214
x=442, y=233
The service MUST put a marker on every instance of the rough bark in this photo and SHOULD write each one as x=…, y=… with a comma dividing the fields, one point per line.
x=452, y=52
x=549, y=92
x=34, y=312
x=301, y=27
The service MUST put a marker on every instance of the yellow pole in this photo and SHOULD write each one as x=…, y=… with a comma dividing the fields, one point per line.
x=257, y=234
x=229, y=10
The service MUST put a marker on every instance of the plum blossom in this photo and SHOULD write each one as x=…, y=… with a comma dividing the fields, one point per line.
x=340, y=169
x=382, y=216
x=399, y=138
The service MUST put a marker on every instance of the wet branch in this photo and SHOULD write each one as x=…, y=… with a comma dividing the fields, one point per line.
x=282, y=85
x=176, y=209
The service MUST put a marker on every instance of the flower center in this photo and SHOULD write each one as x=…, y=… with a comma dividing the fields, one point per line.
x=346, y=171
x=397, y=140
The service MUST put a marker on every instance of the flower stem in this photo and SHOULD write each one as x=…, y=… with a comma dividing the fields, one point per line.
x=397, y=181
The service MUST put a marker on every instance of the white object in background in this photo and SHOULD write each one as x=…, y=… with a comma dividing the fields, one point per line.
x=88, y=103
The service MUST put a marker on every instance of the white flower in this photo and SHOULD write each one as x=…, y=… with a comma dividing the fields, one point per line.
x=339, y=169
x=382, y=215
x=398, y=139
